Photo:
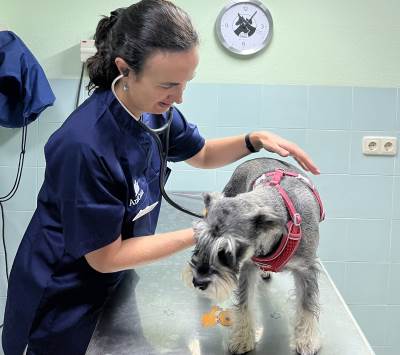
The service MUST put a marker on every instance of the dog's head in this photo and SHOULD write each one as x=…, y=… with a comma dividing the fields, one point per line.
x=227, y=238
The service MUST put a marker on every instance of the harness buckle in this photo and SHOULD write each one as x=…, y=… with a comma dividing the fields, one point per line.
x=297, y=219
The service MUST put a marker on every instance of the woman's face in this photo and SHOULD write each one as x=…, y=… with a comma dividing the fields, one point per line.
x=161, y=82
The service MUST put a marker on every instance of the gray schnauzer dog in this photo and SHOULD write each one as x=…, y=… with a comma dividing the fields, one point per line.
x=253, y=226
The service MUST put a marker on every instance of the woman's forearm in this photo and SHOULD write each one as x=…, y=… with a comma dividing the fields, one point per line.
x=133, y=252
x=220, y=152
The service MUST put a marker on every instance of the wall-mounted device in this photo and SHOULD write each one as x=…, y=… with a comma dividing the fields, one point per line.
x=88, y=49
x=372, y=145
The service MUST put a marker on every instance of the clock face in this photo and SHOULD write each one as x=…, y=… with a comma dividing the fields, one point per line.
x=244, y=27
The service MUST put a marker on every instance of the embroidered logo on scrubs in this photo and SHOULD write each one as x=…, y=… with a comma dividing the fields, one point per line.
x=138, y=194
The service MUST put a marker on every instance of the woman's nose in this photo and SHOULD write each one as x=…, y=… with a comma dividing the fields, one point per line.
x=178, y=94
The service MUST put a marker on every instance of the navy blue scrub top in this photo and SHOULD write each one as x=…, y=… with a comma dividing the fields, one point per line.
x=24, y=89
x=102, y=168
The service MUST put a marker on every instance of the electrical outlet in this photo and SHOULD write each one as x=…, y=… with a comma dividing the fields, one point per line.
x=388, y=145
x=372, y=145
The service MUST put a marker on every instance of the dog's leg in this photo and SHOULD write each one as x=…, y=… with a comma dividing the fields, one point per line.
x=306, y=332
x=242, y=337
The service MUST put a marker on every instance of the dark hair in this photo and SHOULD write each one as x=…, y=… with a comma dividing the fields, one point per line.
x=134, y=33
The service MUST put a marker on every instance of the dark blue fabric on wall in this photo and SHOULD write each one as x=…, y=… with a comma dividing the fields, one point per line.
x=24, y=89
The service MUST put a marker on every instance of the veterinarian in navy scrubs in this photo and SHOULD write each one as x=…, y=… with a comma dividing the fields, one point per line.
x=102, y=168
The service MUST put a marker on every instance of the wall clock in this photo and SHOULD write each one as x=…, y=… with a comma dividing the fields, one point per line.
x=244, y=27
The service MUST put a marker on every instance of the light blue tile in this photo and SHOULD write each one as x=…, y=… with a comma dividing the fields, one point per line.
x=10, y=145
x=46, y=129
x=397, y=156
x=395, y=242
x=199, y=180
x=336, y=271
x=372, y=320
x=2, y=306
x=330, y=150
x=3, y=278
x=393, y=326
x=332, y=188
x=228, y=131
x=200, y=104
x=374, y=109
x=284, y=106
x=351, y=196
x=180, y=166
x=25, y=197
x=208, y=132
x=222, y=179
x=369, y=196
x=297, y=136
x=385, y=350
x=40, y=178
x=368, y=240
x=369, y=164
x=16, y=224
x=394, y=285
x=366, y=283
x=239, y=105
x=65, y=91
x=330, y=107
x=396, y=198
x=333, y=235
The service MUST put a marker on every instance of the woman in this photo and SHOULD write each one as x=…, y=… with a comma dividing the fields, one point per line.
x=102, y=168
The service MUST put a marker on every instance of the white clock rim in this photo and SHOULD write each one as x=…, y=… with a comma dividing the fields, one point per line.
x=244, y=52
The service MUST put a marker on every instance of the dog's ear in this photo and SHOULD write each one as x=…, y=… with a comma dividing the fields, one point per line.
x=265, y=217
x=210, y=197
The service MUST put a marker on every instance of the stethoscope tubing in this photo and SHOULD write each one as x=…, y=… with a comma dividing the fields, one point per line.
x=163, y=152
x=163, y=158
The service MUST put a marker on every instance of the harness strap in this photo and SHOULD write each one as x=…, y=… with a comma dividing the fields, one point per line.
x=290, y=241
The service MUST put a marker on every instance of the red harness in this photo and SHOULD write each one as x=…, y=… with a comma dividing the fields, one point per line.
x=289, y=242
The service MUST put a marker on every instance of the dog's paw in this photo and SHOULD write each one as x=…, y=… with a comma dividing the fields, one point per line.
x=306, y=345
x=307, y=336
x=242, y=345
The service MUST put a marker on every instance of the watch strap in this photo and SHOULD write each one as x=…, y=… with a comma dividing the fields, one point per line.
x=249, y=145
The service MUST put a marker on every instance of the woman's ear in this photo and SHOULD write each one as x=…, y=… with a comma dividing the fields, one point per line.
x=122, y=66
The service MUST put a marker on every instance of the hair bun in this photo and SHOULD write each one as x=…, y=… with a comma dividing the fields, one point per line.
x=115, y=15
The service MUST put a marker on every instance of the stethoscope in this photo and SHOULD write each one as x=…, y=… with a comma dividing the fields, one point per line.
x=156, y=133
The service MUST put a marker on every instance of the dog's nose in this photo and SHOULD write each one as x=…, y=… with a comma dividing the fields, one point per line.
x=201, y=284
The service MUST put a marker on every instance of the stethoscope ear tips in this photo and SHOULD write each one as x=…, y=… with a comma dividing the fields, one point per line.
x=125, y=72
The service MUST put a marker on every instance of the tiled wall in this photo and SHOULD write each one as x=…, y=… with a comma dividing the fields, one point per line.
x=360, y=240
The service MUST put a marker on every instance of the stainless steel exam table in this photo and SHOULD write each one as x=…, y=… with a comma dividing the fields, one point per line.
x=153, y=313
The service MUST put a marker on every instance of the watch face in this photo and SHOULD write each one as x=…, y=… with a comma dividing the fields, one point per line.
x=244, y=27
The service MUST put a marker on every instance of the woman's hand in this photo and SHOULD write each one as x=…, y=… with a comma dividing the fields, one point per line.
x=276, y=144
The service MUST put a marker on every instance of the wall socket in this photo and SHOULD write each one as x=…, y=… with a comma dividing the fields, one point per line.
x=372, y=145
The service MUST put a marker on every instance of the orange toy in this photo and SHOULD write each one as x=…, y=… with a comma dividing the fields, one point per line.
x=217, y=316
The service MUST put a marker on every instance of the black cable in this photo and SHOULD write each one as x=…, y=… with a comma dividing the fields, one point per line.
x=20, y=166
x=80, y=86
x=9, y=195
x=4, y=240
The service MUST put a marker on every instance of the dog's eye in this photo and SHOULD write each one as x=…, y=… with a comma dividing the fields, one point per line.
x=225, y=258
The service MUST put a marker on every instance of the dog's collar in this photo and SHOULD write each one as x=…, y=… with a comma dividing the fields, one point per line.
x=290, y=241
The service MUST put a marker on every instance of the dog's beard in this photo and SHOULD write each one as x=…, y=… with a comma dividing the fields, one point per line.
x=219, y=289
